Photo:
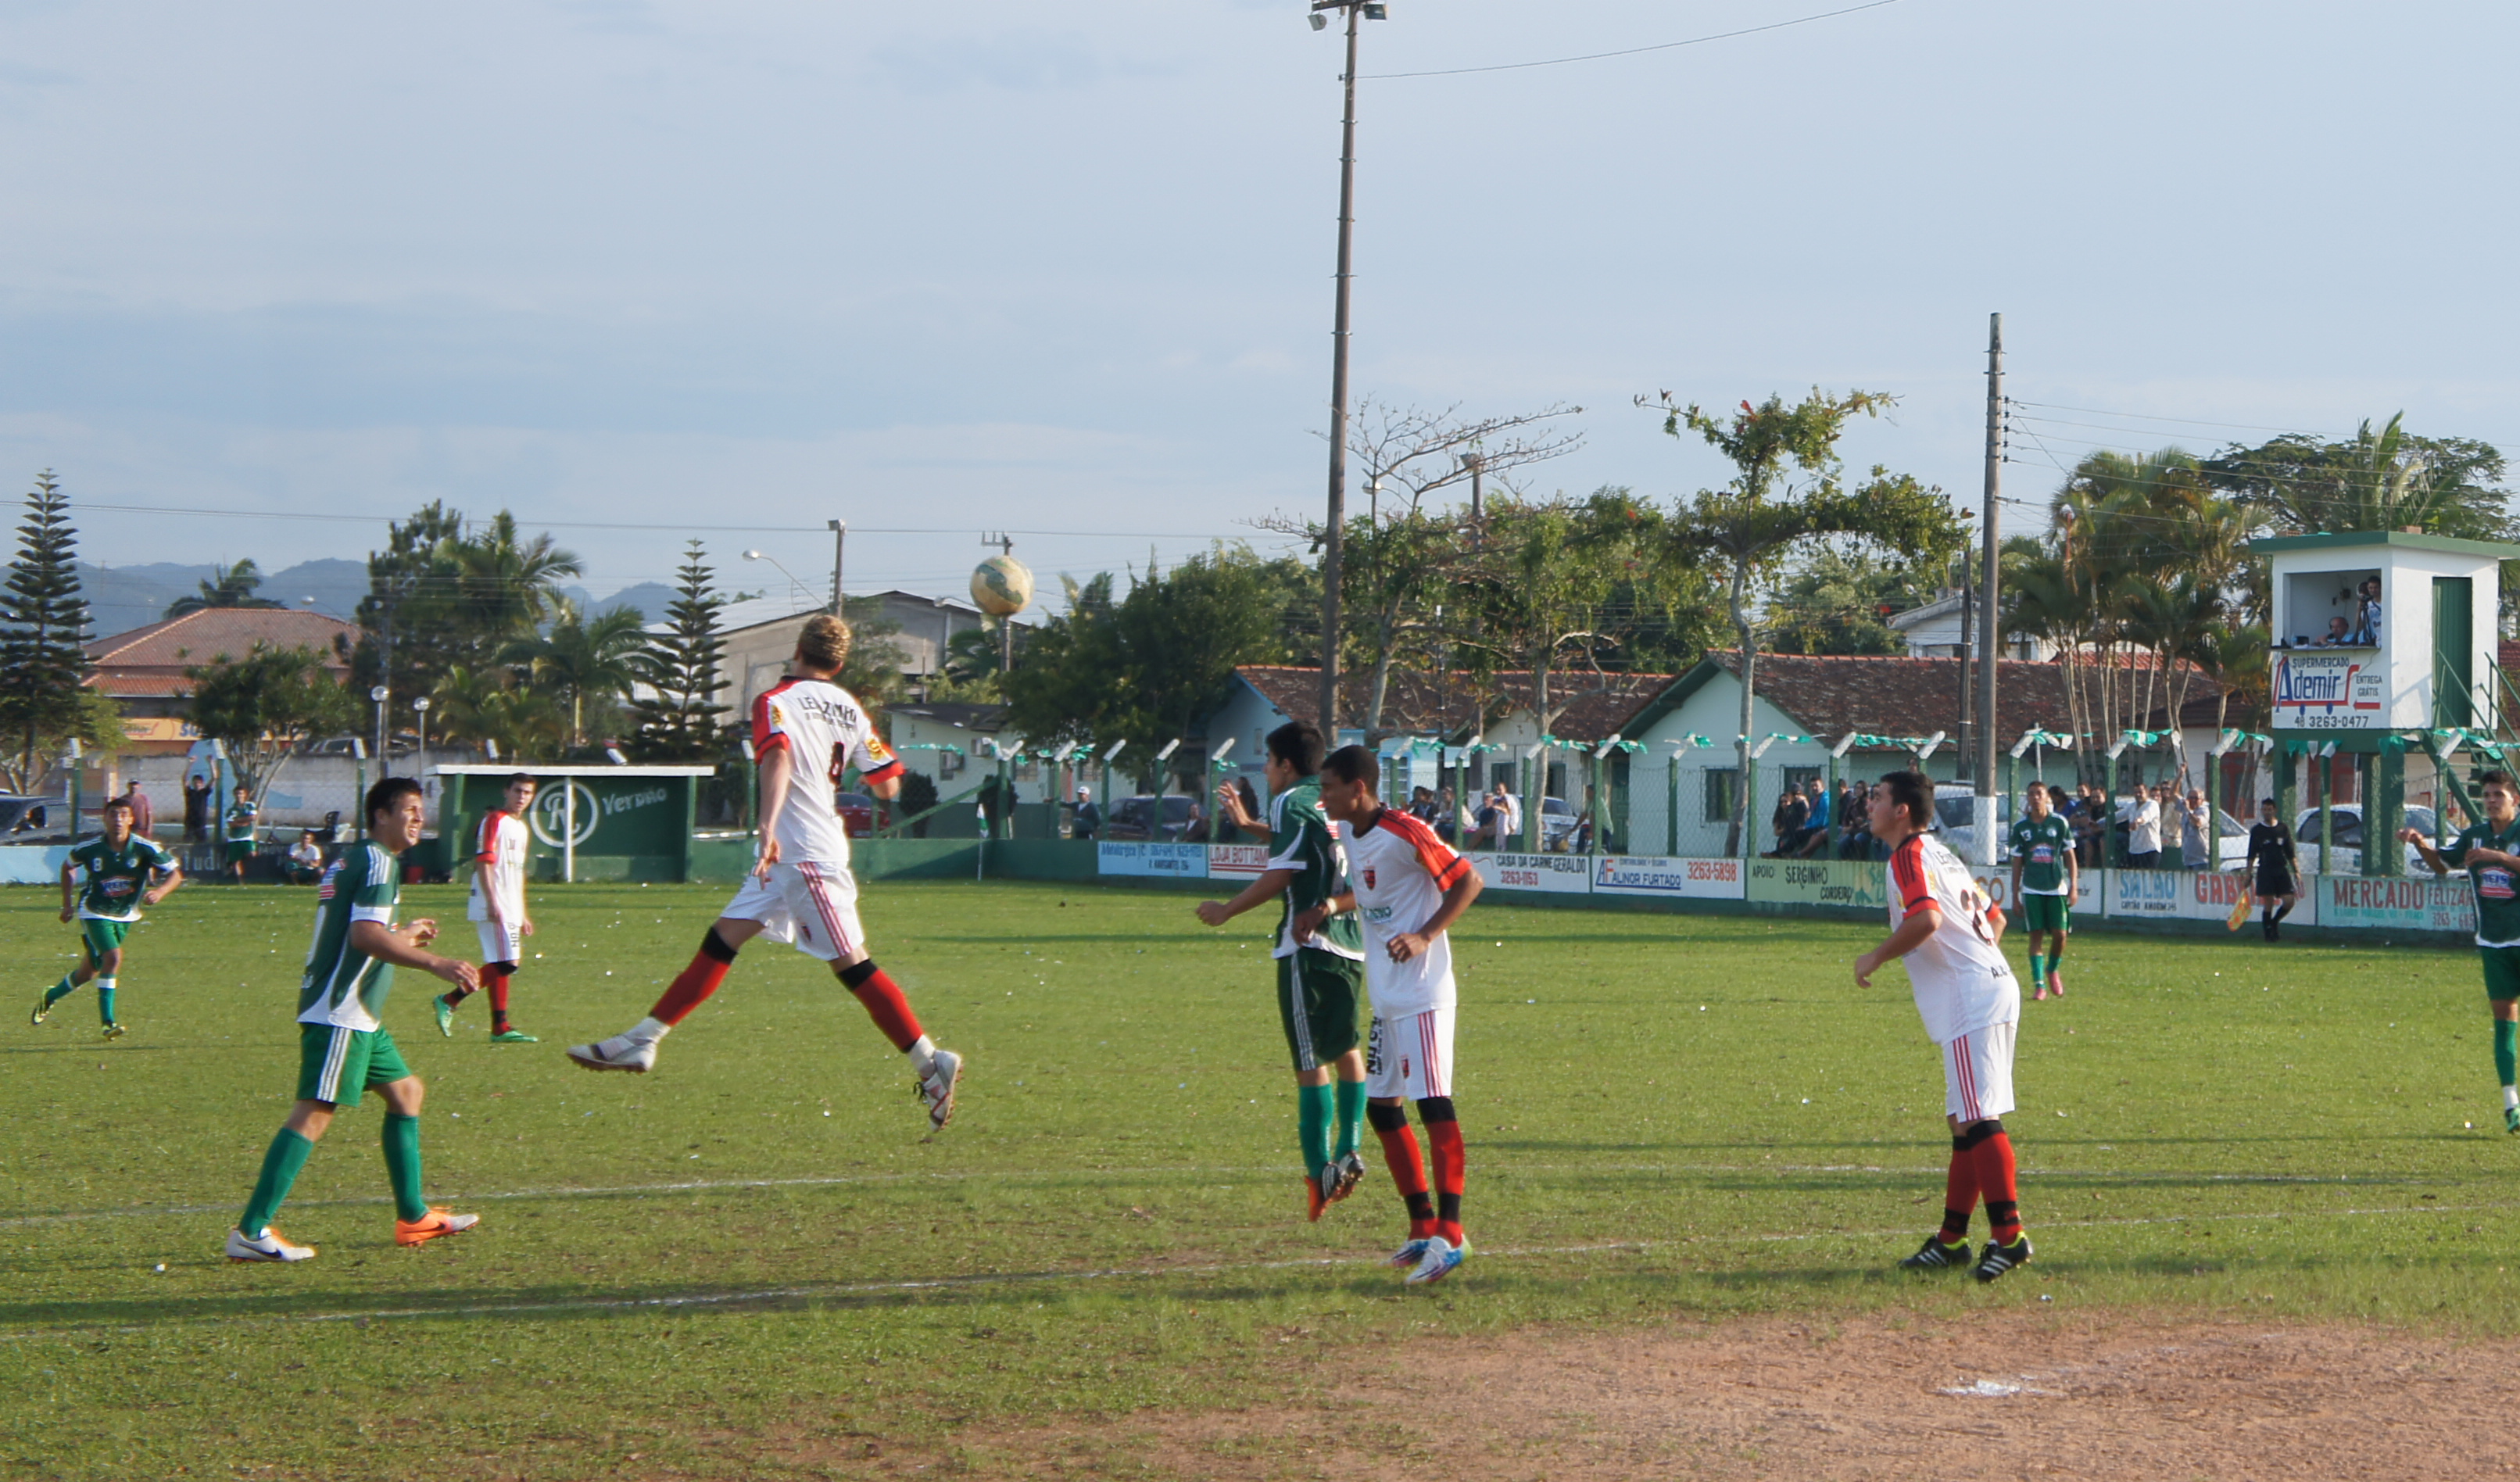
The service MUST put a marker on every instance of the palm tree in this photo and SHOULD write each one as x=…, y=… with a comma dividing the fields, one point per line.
x=228, y=587
x=509, y=585
x=582, y=657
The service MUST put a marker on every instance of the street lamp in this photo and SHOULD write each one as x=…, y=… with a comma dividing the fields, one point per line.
x=1356, y=11
x=385, y=761
x=793, y=584
x=840, y=548
x=420, y=706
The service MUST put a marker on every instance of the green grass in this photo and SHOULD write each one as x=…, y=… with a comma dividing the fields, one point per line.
x=751, y=1264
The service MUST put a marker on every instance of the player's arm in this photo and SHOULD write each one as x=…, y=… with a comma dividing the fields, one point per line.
x=776, y=773
x=69, y=890
x=407, y=947
x=1913, y=928
x=168, y=873
x=1271, y=884
x=1308, y=920
x=2440, y=860
x=2018, y=862
x=1457, y=900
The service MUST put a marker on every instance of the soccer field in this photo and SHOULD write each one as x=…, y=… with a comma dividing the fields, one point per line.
x=754, y=1263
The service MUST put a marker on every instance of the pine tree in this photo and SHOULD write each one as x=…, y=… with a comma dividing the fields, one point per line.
x=42, y=621
x=680, y=722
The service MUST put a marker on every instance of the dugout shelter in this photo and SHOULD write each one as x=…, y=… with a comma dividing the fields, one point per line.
x=588, y=823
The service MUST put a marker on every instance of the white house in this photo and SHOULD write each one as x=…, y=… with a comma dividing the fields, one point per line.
x=1933, y=630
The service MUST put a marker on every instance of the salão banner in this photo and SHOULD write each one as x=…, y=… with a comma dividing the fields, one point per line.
x=1186, y=862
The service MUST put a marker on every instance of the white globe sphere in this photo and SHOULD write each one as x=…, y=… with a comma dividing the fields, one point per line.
x=1001, y=586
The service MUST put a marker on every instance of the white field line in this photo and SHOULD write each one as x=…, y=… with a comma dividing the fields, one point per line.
x=1128, y=1272
x=1172, y=1173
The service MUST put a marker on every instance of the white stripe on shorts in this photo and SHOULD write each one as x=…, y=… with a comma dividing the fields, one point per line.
x=823, y=908
x=328, y=1084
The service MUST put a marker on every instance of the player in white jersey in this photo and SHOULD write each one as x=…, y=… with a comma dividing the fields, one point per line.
x=1951, y=936
x=807, y=732
x=497, y=910
x=1408, y=887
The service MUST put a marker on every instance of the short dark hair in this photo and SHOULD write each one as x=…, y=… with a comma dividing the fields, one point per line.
x=515, y=778
x=2492, y=776
x=387, y=795
x=1355, y=764
x=1299, y=743
x=1913, y=795
x=121, y=801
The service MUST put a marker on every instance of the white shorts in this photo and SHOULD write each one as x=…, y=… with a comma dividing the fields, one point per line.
x=1411, y=1057
x=812, y=907
x=1977, y=1073
x=500, y=944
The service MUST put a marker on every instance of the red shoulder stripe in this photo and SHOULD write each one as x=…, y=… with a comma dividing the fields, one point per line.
x=763, y=738
x=488, y=844
x=893, y=768
x=1908, y=873
x=1434, y=856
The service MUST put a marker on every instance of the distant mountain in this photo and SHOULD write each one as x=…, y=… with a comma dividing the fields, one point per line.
x=651, y=598
x=120, y=599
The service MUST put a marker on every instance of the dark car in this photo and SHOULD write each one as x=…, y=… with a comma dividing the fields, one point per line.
x=25, y=815
x=857, y=812
x=1146, y=817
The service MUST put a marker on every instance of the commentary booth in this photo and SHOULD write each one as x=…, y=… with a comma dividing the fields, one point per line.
x=588, y=823
x=2383, y=660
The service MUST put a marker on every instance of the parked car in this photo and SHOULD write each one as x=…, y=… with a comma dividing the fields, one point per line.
x=2349, y=839
x=1147, y=817
x=25, y=815
x=857, y=812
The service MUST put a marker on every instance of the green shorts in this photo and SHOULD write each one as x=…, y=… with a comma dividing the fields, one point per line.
x=240, y=849
x=102, y=937
x=2047, y=913
x=339, y=1065
x=1317, y=996
x=2501, y=972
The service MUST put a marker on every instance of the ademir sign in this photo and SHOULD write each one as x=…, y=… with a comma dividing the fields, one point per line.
x=2328, y=692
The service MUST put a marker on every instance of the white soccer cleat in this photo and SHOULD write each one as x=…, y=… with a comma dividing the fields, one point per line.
x=619, y=1053
x=1407, y=1257
x=266, y=1247
x=1441, y=1259
x=936, y=1088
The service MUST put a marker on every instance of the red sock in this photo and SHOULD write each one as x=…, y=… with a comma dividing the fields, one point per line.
x=496, y=983
x=690, y=989
x=1960, y=1193
x=1995, y=1183
x=887, y=1006
x=1449, y=1176
x=1409, y=1173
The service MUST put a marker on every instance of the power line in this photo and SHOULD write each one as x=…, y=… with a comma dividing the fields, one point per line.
x=2149, y=417
x=1633, y=51
x=606, y=525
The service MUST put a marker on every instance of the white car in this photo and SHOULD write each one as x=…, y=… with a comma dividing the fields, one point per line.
x=2349, y=839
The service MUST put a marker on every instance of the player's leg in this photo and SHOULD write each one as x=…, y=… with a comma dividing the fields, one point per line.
x=1313, y=1100
x=1984, y=1063
x=494, y=945
x=327, y=1059
x=1947, y=1248
x=70, y=980
x=1325, y=996
x=416, y=1221
x=756, y=908
x=496, y=980
x=2502, y=995
x=1385, y=1088
x=109, y=974
x=2060, y=927
x=1432, y=1045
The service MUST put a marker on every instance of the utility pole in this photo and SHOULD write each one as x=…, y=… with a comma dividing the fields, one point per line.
x=1477, y=463
x=1357, y=12
x=840, y=546
x=1005, y=545
x=1991, y=626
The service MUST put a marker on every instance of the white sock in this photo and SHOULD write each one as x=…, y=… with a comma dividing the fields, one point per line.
x=2510, y=1097
x=649, y=1031
x=922, y=1056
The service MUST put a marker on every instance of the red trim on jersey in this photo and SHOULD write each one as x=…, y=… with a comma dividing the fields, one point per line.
x=1907, y=873
x=763, y=738
x=488, y=844
x=889, y=769
x=1433, y=855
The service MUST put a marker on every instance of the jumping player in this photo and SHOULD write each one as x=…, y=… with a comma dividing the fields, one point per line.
x=104, y=884
x=2045, y=877
x=1971, y=1007
x=498, y=911
x=342, y=1051
x=2277, y=866
x=806, y=732
x=1318, y=970
x=1408, y=887
x=2490, y=852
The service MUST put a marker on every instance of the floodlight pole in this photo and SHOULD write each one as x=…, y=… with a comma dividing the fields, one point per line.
x=1354, y=11
x=840, y=548
x=1990, y=625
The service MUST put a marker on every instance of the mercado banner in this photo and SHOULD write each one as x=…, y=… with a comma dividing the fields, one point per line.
x=1557, y=873
x=1188, y=862
x=1860, y=883
x=2411, y=905
x=1236, y=859
x=1716, y=879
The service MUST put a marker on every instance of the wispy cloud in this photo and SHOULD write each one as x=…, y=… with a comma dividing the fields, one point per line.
x=1020, y=61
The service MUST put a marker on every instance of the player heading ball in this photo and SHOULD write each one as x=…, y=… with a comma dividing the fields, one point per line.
x=1951, y=934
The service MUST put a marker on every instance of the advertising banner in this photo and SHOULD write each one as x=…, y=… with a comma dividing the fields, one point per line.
x=1860, y=883
x=1557, y=873
x=2414, y=905
x=1224, y=860
x=2329, y=692
x=1187, y=862
x=1715, y=879
x=2187, y=895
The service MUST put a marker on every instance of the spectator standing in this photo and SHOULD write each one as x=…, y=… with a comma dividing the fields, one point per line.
x=143, y=816
x=2197, y=849
x=2367, y=629
x=197, y=809
x=2143, y=818
x=2090, y=824
x=1089, y=819
x=1818, y=791
x=1448, y=815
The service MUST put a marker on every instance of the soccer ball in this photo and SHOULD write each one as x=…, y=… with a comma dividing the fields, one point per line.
x=1001, y=586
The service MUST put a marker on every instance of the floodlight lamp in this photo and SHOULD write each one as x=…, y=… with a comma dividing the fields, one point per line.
x=752, y=555
x=378, y=693
x=421, y=704
x=1378, y=12
x=1318, y=21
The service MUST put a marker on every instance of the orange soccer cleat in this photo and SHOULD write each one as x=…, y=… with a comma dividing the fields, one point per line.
x=436, y=1222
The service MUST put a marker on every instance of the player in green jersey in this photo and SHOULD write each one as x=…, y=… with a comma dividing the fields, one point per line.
x=242, y=816
x=2491, y=853
x=2045, y=877
x=342, y=1050
x=104, y=884
x=1319, y=975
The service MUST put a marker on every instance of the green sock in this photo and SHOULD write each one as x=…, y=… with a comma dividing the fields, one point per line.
x=104, y=1001
x=1351, y=1118
x=1313, y=1125
x=2506, y=1051
x=2038, y=970
x=59, y=991
x=280, y=1167
x=402, y=1166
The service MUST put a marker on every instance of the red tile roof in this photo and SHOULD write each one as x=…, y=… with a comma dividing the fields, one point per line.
x=1449, y=705
x=151, y=660
x=1829, y=696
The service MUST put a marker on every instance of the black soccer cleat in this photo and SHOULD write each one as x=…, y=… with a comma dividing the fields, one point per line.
x=1995, y=1260
x=1934, y=1255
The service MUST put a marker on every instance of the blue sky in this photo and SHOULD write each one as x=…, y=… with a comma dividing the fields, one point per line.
x=990, y=264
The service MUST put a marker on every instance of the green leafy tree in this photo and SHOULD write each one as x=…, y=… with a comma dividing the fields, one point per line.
x=1840, y=600
x=264, y=705
x=228, y=587
x=1547, y=579
x=586, y=663
x=43, y=619
x=678, y=721
x=1751, y=526
x=2384, y=480
x=445, y=594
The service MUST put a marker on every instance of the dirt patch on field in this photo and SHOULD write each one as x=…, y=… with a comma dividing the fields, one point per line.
x=2002, y=1394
